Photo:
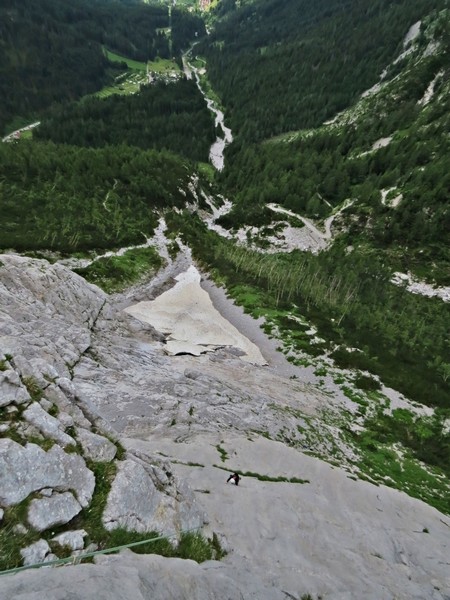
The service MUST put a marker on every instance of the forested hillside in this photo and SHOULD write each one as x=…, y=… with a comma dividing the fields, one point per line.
x=392, y=145
x=52, y=50
x=171, y=116
x=289, y=64
x=70, y=199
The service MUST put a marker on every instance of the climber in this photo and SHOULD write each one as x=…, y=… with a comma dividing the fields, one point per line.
x=234, y=478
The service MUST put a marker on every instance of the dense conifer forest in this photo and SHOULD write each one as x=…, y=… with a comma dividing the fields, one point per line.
x=281, y=66
x=69, y=199
x=171, y=116
x=53, y=50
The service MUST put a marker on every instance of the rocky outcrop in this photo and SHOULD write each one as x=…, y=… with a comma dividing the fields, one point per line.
x=158, y=436
x=145, y=497
x=39, y=552
x=27, y=469
x=134, y=577
x=11, y=389
x=95, y=447
x=48, y=426
x=58, y=509
x=51, y=436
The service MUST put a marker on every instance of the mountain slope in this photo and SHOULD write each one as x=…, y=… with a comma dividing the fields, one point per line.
x=295, y=525
x=392, y=144
x=53, y=50
x=281, y=65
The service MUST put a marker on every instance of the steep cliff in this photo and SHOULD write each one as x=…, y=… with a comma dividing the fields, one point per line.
x=85, y=384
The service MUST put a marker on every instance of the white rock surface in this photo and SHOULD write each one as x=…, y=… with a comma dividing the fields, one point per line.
x=135, y=577
x=46, y=312
x=96, y=447
x=135, y=503
x=59, y=509
x=11, y=389
x=49, y=426
x=29, y=469
x=35, y=553
x=71, y=539
x=187, y=315
x=333, y=536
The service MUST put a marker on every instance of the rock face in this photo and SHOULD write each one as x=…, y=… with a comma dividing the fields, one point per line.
x=36, y=553
x=134, y=577
x=47, y=425
x=49, y=433
x=187, y=315
x=29, y=469
x=145, y=498
x=77, y=366
x=96, y=447
x=11, y=389
x=45, y=314
x=71, y=539
x=57, y=510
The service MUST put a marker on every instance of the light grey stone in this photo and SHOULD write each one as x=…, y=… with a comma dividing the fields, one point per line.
x=66, y=387
x=46, y=404
x=35, y=553
x=192, y=373
x=50, y=558
x=29, y=469
x=27, y=430
x=20, y=529
x=2, y=512
x=46, y=492
x=65, y=420
x=136, y=504
x=36, y=368
x=11, y=389
x=96, y=447
x=4, y=427
x=49, y=312
x=71, y=539
x=129, y=576
x=66, y=406
x=49, y=426
x=59, y=509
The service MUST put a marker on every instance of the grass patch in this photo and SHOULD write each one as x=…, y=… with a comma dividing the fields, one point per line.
x=33, y=388
x=131, y=64
x=260, y=477
x=223, y=453
x=115, y=273
x=129, y=83
x=383, y=465
x=163, y=66
x=11, y=540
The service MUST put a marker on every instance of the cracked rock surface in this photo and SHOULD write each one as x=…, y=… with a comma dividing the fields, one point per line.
x=186, y=422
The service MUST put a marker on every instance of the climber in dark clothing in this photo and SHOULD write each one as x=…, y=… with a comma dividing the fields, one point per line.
x=235, y=478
